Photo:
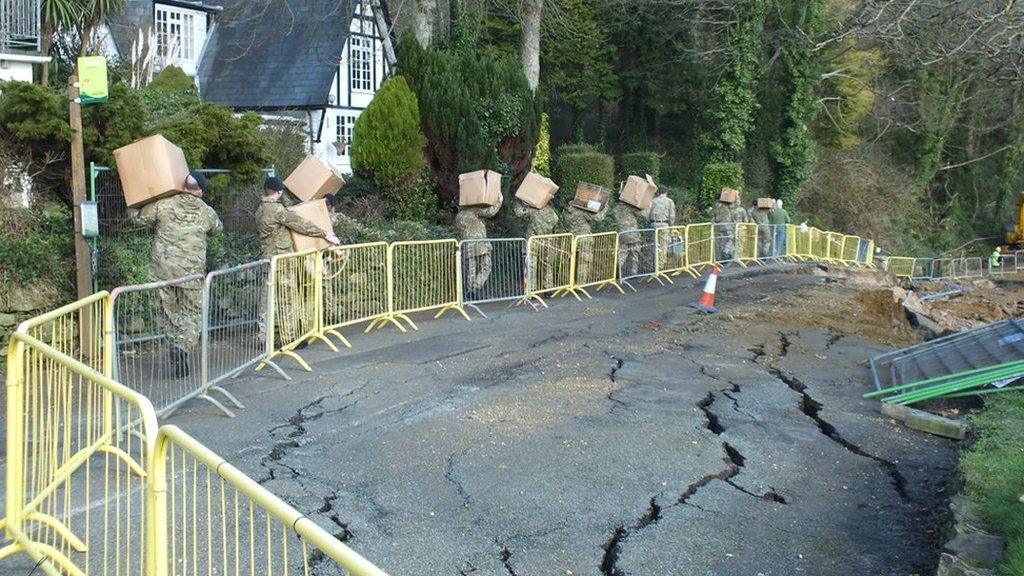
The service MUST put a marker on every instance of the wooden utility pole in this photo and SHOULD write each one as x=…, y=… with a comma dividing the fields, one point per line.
x=83, y=254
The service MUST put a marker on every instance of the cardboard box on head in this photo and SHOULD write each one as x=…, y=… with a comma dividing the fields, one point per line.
x=766, y=203
x=313, y=180
x=480, y=188
x=729, y=196
x=536, y=190
x=590, y=197
x=150, y=168
x=315, y=211
x=638, y=192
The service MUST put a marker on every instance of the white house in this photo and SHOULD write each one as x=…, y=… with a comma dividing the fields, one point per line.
x=19, y=39
x=316, y=63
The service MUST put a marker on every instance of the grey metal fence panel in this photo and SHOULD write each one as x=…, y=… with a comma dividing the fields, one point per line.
x=638, y=255
x=505, y=279
x=973, y=268
x=1018, y=258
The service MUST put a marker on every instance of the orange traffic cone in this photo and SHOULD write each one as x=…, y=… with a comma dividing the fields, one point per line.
x=706, y=302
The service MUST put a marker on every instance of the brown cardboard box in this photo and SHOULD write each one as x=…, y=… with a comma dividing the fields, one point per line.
x=316, y=212
x=766, y=203
x=637, y=191
x=536, y=190
x=480, y=188
x=150, y=168
x=729, y=196
x=590, y=197
x=313, y=180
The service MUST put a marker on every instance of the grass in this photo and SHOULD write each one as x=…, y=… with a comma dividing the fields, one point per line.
x=993, y=470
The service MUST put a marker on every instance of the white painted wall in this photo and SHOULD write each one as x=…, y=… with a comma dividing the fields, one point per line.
x=14, y=70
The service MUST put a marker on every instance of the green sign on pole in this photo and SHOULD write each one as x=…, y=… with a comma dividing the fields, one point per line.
x=92, y=76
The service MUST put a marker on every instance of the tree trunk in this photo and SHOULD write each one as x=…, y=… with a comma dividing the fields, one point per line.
x=87, y=28
x=426, y=15
x=45, y=45
x=530, y=49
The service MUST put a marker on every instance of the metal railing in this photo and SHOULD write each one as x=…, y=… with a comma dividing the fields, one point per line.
x=596, y=262
x=700, y=245
x=506, y=276
x=355, y=287
x=296, y=300
x=20, y=24
x=746, y=243
x=638, y=256
x=672, y=252
x=551, y=265
x=424, y=276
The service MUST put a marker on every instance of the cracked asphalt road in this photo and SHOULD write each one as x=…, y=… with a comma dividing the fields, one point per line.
x=619, y=436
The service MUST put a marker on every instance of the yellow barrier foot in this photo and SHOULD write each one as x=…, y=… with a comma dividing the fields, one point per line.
x=298, y=359
x=664, y=277
x=478, y=310
x=407, y=319
x=458, y=309
x=585, y=293
x=344, y=341
x=325, y=340
x=261, y=365
x=124, y=457
x=540, y=300
x=524, y=301
x=45, y=552
x=57, y=526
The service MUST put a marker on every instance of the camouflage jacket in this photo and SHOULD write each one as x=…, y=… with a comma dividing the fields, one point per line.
x=181, y=224
x=626, y=219
x=579, y=221
x=663, y=210
x=539, y=221
x=760, y=216
x=470, y=224
x=273, y=222
x=722, y=212
x=739, y=214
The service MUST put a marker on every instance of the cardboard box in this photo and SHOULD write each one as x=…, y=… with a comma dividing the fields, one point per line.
x=590, y=197
x=313, y=180
x=315, y=211
x=729, y=196
x=150, y=168
x=480, y=188
x=637, y=191
x=766, y=203
x=536, y=190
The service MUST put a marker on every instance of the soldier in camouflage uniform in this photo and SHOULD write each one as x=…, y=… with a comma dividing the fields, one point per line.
x=662, y=214
x=181, y=224
x=725, y=236
x=762, y=217
x=539, y=222
x=293, y=283
x=470, y=224
x=579, y=221
x=629, y=244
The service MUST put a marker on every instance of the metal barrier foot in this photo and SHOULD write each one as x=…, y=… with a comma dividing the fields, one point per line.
x=477, y=308
x=613, y=284
x=524, y=301
x=584, y=291
x=57, y=526
x=227, y=412
x=298, y=360
x=344, y=341
x=47, y=552
x=128, y=460
x=383, y=320
x=325, y=340
x=458, y=309
x=407, y=319
x=664, y=277
x=265, y=362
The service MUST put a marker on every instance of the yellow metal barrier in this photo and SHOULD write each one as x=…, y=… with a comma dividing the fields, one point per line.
x=217, y=520
x=672, y=250
x=851, y=244
x=818, y=244
x=596, y=261
x=296, y=301
x=800, y=243
x=869, y=259
x=77, y=449
x=552, y=266
x=355, y=286
x=900, y=267
x=746, y=243
x=80, y=330
x=422, y=276
x=834, y=247
x=700, y=246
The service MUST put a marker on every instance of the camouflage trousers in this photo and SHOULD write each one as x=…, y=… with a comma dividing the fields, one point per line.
x=542, y=269
x=293, y=302
x=182, y=311
x=725, y=247
x=478, y=270
x=764, y=242
x=629, y=259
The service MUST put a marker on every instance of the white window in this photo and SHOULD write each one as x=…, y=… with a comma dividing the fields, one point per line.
x=361, y=64
x=175, y=34
x=343, y=125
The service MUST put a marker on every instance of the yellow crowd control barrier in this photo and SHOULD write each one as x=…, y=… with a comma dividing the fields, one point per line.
x=552, y=265
x=596, y=262
x=77, y=451
x=79, y=330
x=869, y=258
x=355, y=286
x=848, y=254
x=800, y=243
x=818, y=244
x=700, y=245
x=746, y=243
x=834, y=246
x=900, y=267
x=207, y=517
x=423, y=276
x=296, y=305
x=672, y=252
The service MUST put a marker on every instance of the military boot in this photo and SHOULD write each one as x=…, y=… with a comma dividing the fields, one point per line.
x=179, y=363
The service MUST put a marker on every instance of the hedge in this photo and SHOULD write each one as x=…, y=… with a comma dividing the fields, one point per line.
x=718, y=175
x=639, y=164
x=570, y=169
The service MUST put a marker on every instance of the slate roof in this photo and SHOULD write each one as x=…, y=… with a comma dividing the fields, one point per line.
x=274, y=54
x=136, y=15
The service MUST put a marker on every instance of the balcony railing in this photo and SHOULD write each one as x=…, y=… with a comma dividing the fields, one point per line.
x=19, y=24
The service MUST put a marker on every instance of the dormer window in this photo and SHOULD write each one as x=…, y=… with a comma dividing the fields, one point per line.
x=175, y=33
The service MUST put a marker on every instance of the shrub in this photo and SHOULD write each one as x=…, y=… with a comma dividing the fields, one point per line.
x=718, y=175
x=119, y=122
x=172, y=79
x=387, y=144
x=542, y=156
x=212, y=137
x=418, y=201
x=39, y=248
x=639, y=164
x=579, y=165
